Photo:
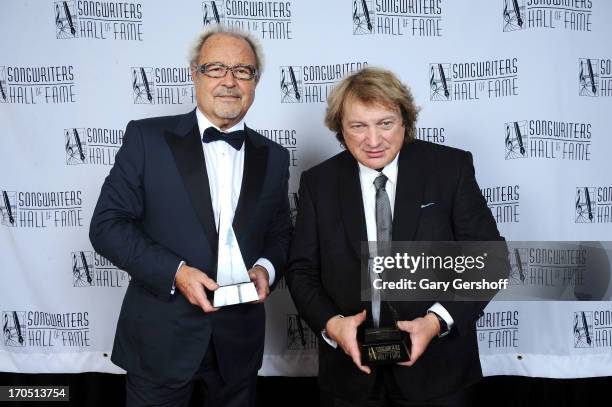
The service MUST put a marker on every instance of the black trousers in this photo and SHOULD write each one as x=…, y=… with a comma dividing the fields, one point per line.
x=386, y=393
x=141, y=392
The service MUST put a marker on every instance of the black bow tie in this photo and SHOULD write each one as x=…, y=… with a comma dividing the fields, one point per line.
x=234, y=139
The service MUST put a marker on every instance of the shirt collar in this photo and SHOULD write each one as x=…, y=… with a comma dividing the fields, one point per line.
x=368, y=175
x=204, y=123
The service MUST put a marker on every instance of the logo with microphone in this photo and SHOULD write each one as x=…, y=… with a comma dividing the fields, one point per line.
x=291, y=84
x=583, y=329
x=589, y=77
x=66, y=20
x=514, y=15
x=143, y=85
x=516, y=140
x=76, y=147
x=89, y=269
x=13, y=328
x=266, y=20
x=8, y=208
x=313, y=83
x=593, y=204
x=3, y=90
x=585, y=205
x=213, y=12
x=363, y=16
x=440, y=82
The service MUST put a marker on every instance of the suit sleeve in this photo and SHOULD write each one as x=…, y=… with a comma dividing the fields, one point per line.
x=278, y=235
x=303, y=273
x=472, y=221
x=115, y=230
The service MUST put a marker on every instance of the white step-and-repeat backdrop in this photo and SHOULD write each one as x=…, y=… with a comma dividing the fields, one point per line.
x=526, y=85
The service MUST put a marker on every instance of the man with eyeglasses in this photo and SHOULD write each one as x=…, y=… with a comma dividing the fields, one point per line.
x=158, y=217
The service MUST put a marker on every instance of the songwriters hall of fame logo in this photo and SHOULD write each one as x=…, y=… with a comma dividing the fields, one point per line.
x=66, y=19
x=440, y=82
x=82, y=269
x=595, y=77
x=498, y=329
x=586, y=205
x=162, y=85
x=299, y=335
x=75, y=146
x=546, y=267
x=473, y=80
x=30, y=85
x=267, y=20
x=8, y=208
x=363, y=17
x=592, y=329
x=35, y=209
x=417, y=18
x=291, y=84
x=547, y=139
x=519, y=266
x=14, y=328
x=504, y=202
x=98, y=20
x=583, y=329
x=589, y=77
x=92, y=145
x=313, y=83
x=593, y=204
x=39, y=329
x=514, y=14
x=3, y=88
x=143, y=85
x=516, y=140
x=568, y=15
x=286, y=138
x=89, y=269
x=213, y=12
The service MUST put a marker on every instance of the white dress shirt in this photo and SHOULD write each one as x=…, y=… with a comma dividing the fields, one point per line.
x=225, y=165
x=368, y=194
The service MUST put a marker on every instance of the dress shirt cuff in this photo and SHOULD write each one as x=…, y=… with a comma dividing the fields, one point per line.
x=267, y=264
x=329, y=340
x=443, y=313
x=173, y=290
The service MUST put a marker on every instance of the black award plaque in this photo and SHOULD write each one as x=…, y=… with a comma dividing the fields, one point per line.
x=384, y=346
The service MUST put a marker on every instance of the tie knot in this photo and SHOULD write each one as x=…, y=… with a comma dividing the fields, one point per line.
x=235, y=138
x=380, y=182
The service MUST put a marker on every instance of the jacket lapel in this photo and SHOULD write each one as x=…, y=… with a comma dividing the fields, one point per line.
x=411, y=177
x=351, y=202
x=253, y=175
x=186, y=146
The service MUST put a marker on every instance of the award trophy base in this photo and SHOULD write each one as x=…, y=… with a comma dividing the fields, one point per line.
x=234, y=294
x=384, y=346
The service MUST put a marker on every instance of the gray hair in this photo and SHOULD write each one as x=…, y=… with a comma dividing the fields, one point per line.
x=194, y=51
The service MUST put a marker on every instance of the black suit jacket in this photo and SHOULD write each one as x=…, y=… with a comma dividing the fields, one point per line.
x=155, y=210
x=324, y=271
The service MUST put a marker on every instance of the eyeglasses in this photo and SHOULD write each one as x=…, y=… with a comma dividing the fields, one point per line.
x=219, y=70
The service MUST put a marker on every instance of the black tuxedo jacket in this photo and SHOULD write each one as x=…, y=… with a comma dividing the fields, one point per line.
x=324, y=271
x=155, y=210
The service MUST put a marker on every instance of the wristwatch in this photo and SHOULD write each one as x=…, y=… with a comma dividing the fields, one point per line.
x=444, y=330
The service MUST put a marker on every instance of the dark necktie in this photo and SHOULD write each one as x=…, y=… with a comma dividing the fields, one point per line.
x=383, y=212
x=383, y=239
x=234, y=139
